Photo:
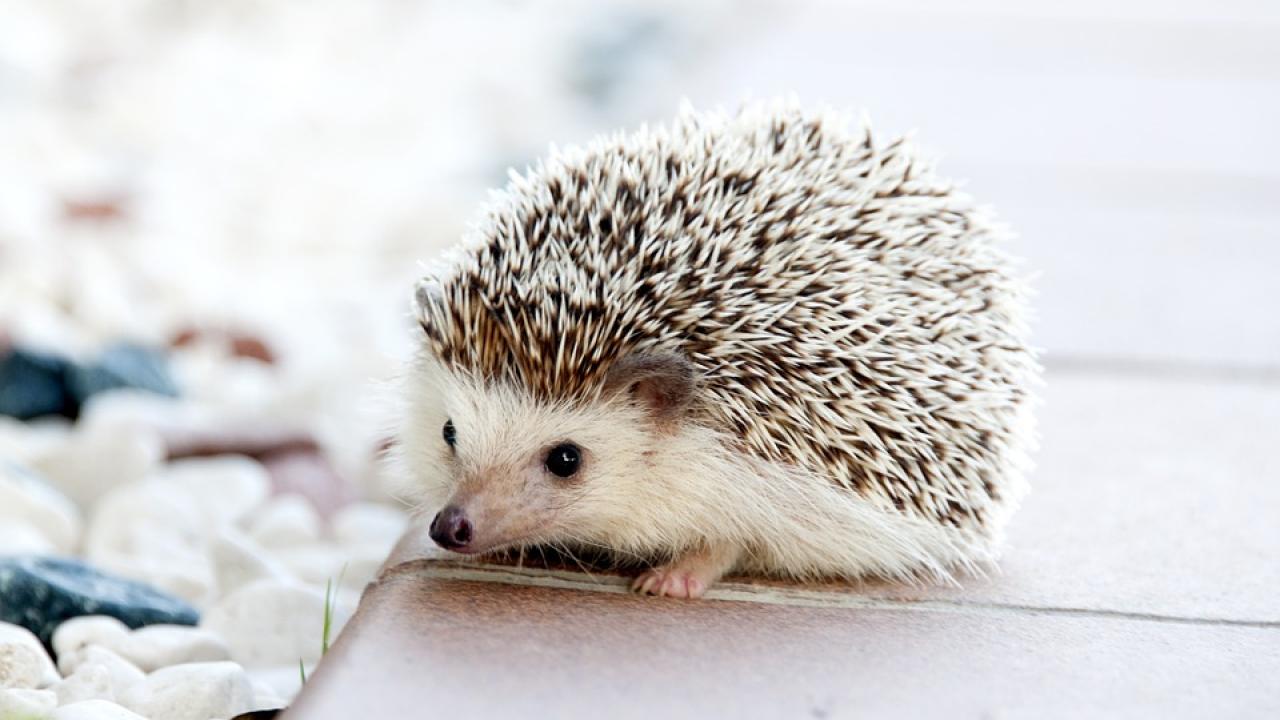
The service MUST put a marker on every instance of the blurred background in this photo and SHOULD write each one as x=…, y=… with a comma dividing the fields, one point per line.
x=240, y=194
x=283, y=168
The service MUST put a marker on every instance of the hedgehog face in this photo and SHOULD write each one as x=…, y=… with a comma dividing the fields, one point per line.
x=506, y=469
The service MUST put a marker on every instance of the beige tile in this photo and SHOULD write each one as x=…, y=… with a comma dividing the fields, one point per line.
x=426, y=647
x=1151, y=496
x=1194, y=288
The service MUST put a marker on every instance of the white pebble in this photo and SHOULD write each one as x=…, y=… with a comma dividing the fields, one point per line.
x=94, y=460
x=265, y=696
x=234, y=386
x=94, y=710
x=314, y=564
x=285, y=521
x=273, y=623
x=347, y=566
x=226, y=488
x=153, y=531
x=88, y=682
x=195, y=691
x=130, y=408
x=283, y=681
x=361, y=567
x=26, y=704
x=79, y=633
x=20, y=538
x=366, y=522
x=239, y=560
x=26, y=499
x=157, y=646
x=23, y=660
x=147, y=648
x=122, y=673
x=23, y=442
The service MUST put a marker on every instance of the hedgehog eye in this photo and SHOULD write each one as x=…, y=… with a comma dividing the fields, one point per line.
x=450, y=434
x=563, y=460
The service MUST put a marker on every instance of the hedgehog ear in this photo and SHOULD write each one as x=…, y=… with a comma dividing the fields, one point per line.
x=663, y=382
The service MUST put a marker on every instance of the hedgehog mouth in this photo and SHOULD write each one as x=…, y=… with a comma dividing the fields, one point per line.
x=482, y=547
x=502, y=547
x=473, y=550
x=506, y=545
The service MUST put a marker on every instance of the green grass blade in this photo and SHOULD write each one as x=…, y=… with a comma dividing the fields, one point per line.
x=330, y=601
x=328, y=617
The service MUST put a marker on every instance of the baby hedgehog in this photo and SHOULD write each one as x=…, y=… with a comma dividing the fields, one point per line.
x=757, y=343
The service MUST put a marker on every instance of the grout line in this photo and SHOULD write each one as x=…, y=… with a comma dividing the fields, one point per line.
x=1056, y=364
x=796, y=597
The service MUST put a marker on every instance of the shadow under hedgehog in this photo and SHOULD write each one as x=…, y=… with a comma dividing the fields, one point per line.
x=760, y=343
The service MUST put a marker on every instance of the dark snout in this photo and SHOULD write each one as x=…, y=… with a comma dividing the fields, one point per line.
x=451, y=529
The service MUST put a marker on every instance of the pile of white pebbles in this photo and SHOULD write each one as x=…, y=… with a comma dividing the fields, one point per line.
x=261, y=564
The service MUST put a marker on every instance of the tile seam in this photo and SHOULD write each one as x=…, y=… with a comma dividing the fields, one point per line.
x=794, y=597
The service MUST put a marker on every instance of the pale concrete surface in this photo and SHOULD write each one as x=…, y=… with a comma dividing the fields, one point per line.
x=433, y=647
x=1154, y=496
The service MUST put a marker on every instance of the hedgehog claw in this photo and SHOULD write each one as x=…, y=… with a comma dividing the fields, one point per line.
x=669, y=582
x=645, y=583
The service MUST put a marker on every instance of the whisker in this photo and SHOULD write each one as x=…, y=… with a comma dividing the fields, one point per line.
x=564, y=549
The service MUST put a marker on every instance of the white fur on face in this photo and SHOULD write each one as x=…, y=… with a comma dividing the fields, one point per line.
x=495, y=471
x=645, y=493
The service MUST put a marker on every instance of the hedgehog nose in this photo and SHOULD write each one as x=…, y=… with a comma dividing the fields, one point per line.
x=451, y=529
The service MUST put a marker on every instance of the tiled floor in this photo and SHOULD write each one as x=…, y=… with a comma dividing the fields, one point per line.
x=1131, y=146
x=448, y=648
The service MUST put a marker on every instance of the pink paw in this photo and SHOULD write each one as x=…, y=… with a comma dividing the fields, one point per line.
x=669, y=582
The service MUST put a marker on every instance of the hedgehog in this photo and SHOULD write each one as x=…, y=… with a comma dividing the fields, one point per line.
x=766, y=343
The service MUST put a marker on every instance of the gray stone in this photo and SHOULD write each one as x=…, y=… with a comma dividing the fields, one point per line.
x=33, y=384
x=41, y=592
x=121, y=366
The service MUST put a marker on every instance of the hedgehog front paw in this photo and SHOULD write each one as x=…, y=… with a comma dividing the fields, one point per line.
x=688, y=577
x=669, y=581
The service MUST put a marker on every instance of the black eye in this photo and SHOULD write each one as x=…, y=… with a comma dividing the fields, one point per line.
x=563, y=460
x=449, y=433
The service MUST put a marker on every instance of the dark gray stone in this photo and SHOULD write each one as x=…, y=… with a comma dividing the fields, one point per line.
x=33, y=384
x=40, y=593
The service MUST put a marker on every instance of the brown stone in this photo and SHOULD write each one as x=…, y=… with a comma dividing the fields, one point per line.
x=239, y=343
x=94, y=209
x=293, y=459
x=250, y=346
x=255, y=442
x=307, y=472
